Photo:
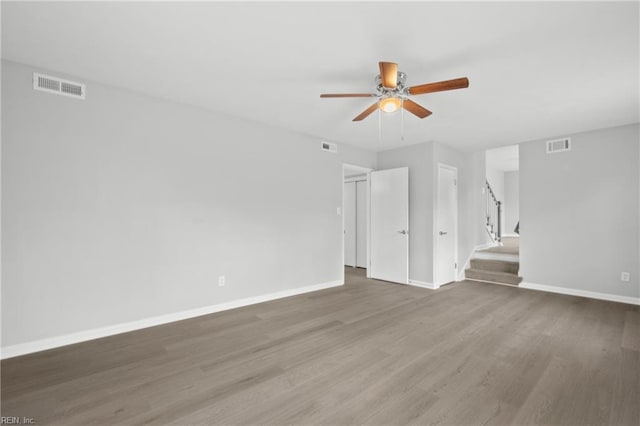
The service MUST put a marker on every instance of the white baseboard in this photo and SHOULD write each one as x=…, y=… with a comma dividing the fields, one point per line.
x=423, y=284
x=96, y=333
x=582, y=293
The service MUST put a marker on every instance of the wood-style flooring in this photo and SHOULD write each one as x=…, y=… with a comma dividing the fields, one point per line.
x=365, y=353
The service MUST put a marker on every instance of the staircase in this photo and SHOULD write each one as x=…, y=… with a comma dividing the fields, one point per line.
x=498, y=265
x=493, y=211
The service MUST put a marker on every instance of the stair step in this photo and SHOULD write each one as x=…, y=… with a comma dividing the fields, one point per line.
x=492, y=276
x=502, y=250
x=492, y=255
x=495, y=265
x=510, y=241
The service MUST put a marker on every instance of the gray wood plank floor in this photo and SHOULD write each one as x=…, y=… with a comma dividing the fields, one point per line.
x=365, y=353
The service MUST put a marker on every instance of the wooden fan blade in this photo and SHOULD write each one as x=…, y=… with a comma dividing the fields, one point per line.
x=458, y=83
x=364, y=114
x=347, y=95
x=415, y=109
x=389, y=74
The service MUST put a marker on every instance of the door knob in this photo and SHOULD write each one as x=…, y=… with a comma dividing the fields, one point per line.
x=442, y=233
x=403, y=232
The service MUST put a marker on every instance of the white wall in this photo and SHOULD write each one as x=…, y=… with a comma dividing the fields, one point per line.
x=124, y=207
x=511, y=206
x=579, y=212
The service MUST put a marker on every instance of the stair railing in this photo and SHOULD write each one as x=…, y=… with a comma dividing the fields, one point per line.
x=493, y=213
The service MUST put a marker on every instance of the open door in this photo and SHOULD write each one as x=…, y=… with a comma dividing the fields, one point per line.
x=390, y=225
x=446, y=251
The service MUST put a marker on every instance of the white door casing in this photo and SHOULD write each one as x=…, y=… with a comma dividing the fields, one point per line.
x=446, y=226
x=389, y=198
x=349, y=206
x=355, y=223
x=361, y=223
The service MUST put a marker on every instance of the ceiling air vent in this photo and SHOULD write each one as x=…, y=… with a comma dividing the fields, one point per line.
x=558, y=145
x=47, y=83
x=328, y=146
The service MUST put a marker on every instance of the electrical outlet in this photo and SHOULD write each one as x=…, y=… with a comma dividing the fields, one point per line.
x=625, y=276
x=221, y=281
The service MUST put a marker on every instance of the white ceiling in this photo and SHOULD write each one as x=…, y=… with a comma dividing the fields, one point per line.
x=536, y=69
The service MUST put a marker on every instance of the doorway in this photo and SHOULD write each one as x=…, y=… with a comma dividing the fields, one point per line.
x=355, y=221
x=446, y=226
x=385, y=195
x=355, y=216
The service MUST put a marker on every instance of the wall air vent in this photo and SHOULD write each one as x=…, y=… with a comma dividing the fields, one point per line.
x=47, y=83
x=558, y=145
x=328, y=146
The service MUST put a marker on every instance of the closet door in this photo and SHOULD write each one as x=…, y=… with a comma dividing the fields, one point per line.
x=349, y=223
x=361, y=224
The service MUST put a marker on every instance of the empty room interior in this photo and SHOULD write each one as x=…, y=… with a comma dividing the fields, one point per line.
x=332, y=213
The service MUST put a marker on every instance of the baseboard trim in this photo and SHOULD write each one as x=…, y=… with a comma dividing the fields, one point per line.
x=493, y=282
x=423, y=284
x=96, y=333
x=581, y=293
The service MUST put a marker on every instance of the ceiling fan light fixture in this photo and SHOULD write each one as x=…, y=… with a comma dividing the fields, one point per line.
x=390, y=104
x=392, y=94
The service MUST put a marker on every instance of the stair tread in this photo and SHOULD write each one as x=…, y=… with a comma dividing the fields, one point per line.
x=502, y=250
x=507, y=257
x=493, y=276
x=509, y=261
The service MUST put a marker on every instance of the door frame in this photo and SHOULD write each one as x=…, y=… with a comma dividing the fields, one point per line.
x=367, y=171
x=436, y=279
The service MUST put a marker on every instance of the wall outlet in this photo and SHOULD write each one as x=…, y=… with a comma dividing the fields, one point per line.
x=338, y=211
x=221, y=281
x=625, y=276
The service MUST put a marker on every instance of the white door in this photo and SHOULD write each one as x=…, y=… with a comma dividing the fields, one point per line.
x=361, y=224
x=446, y=225
x=349, y=207
x=390, y=225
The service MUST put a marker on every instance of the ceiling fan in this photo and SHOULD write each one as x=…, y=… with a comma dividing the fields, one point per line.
x=392, y=93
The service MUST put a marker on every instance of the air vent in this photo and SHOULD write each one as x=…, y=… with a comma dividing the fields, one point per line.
x=328, y=146
x=47, y=83
x=558, y=145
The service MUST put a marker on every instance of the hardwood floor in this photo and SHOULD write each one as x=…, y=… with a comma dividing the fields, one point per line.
x=367, y=353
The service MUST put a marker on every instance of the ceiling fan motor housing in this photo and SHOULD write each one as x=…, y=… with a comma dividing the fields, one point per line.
x=398, y=91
